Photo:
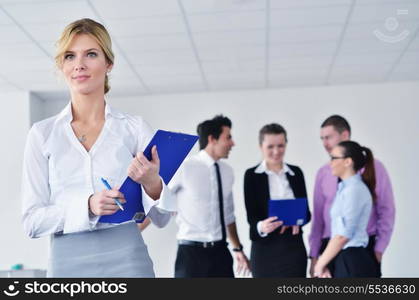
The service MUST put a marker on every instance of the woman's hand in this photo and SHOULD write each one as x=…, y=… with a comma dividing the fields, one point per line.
x=146, y=173
x=321, y=271
x=103, y=203
x=270, y=224
x=144, y=224
x=295, y=229
x=326, y=274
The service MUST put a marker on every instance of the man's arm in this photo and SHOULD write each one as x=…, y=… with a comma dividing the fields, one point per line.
x=385, y=208
x=243, y=264
x=317, y=224
x=333, y=247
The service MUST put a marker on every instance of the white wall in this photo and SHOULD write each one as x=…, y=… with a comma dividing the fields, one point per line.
x=38, y=108
x=383, y=116
x=14, y=125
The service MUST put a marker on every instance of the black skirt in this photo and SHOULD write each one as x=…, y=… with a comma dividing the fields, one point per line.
x=354, y=262
x=370, y=250
x=279, y=256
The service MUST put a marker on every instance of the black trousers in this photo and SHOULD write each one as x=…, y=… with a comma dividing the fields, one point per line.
x=281, y=256
x=195, y=261
x=370, y=250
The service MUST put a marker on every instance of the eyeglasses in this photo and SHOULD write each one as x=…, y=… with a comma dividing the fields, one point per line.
x=337, y=157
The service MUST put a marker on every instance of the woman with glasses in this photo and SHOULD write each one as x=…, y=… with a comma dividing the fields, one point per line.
x=346, y=254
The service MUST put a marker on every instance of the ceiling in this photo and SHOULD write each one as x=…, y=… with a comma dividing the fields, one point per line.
x=169, y=46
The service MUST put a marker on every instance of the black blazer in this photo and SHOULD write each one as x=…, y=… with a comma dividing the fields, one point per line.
x=256, y=197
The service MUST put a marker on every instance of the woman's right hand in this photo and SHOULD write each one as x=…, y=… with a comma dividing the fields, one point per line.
x=295, y=229
x=103, y=203
x=270, y=224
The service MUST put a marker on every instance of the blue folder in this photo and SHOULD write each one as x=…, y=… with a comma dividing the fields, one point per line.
x=290, y=211
x=172, y=148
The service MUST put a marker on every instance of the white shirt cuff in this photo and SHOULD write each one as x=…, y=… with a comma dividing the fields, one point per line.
x=93, y=219
x=77, y=212
x=230, y=220
x=259, y=228
x=166, y=202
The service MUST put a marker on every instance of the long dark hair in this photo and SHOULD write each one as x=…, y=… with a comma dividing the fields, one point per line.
x=362, y=157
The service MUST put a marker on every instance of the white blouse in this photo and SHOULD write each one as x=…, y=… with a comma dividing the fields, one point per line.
x=59, y=174
x=279, y=186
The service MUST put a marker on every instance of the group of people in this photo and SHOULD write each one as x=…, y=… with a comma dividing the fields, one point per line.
x=63, y=196
x=352, y=219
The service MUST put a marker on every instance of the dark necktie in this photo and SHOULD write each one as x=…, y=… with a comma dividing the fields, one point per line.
x=220, y=201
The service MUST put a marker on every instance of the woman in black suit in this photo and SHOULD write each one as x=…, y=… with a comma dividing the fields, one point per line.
x=277, y=251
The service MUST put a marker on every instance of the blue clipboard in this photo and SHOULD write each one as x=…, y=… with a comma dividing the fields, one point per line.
x=172, y=148
x=290, y=211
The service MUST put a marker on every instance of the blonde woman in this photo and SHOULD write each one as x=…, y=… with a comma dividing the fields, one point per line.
x=67, y=154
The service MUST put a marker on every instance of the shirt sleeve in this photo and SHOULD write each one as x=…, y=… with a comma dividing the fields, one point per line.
x=229, y=206
x=349, y=218
x=317, y=225
x=40, y=217
x=228, y=202
x=77, y=217
x=176, y=183
x=158, y=210
x=385, y=208
x=259, y=228
x=252, y=203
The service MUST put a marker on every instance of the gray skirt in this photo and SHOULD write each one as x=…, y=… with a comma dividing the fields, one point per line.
x=112, y=252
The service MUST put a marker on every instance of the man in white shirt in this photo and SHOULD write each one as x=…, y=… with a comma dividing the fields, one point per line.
x=206, y=211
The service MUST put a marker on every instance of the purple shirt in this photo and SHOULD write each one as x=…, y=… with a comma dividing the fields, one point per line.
x=381, y=221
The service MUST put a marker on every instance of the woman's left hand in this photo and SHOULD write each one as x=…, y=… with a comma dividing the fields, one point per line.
x=146, y=173
x=321, y=271
x=326, y=273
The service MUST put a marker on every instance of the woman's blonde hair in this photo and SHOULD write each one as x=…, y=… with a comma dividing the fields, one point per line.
x=92, y=28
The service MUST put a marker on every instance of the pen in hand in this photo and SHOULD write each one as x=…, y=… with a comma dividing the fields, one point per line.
x=110, y=188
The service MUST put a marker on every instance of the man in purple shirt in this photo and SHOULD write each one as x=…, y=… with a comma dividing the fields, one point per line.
x=334, y=130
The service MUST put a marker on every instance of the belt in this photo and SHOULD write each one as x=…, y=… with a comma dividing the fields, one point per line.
x=202, y=244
